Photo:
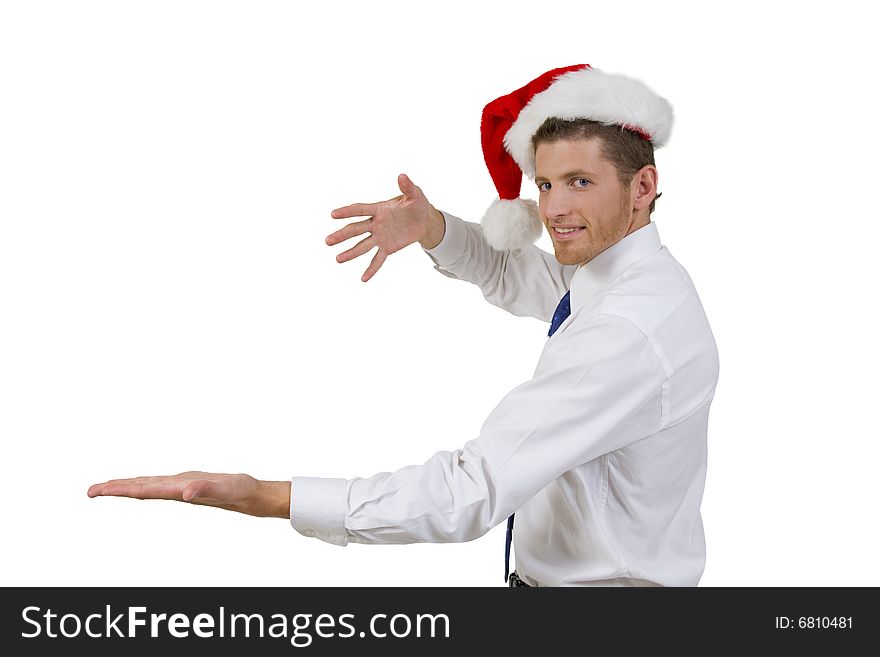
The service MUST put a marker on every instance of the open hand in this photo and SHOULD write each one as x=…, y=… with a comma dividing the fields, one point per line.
x=233, y=492
x=392, y=225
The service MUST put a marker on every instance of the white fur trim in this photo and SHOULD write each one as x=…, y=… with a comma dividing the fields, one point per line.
x=589, y=94
x=512, y=224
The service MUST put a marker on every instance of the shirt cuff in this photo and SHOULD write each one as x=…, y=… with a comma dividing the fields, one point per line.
x=318, y=507
x=453, y=244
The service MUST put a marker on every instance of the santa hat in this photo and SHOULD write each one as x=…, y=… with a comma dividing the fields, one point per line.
x=573, y=92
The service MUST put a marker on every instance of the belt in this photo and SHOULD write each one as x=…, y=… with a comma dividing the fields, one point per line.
x=514, y=580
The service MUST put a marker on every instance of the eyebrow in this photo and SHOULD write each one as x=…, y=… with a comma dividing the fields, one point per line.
x=578, y=173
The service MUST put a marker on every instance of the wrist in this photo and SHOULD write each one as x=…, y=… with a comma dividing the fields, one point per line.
x=436, y=230
x=275, y=497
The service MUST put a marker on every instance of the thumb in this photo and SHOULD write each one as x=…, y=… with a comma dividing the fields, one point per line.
x=194, y=490
x=407, y=186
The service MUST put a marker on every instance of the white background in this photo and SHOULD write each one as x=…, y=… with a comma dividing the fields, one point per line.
x=167, y=301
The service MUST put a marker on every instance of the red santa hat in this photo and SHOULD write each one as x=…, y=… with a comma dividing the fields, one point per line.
x=573, y=92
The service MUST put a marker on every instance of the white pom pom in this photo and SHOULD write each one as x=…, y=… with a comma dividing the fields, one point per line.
x=512, y=224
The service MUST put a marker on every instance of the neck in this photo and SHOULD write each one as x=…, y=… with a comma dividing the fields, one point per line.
x=639, y=220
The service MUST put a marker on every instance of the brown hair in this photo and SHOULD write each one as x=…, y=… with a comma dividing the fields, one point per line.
x=625, y=149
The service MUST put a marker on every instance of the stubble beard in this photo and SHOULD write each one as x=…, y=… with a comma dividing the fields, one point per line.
x=590, y=248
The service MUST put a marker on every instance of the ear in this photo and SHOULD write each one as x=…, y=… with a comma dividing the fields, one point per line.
x=643, y=187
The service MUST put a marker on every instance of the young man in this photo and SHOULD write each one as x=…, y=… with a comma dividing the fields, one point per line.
x=601, y=455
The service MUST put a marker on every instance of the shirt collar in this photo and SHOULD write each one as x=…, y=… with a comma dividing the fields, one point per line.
x=591, y=278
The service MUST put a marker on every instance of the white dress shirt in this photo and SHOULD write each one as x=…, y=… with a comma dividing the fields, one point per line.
x=601, y=454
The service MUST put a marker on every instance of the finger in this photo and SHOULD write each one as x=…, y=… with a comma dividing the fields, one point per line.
x=407, y=186
x=360, y=209
x=357, y=250
x=191, y=492
x=115, y=483
x=351, y=230
x=355, y=210
x=99, y=489
x=200, y=490
x=377, y=261
x=156, y=488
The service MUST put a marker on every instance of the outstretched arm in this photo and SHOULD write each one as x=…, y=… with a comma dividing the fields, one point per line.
x=233, y=492
x=597, y=389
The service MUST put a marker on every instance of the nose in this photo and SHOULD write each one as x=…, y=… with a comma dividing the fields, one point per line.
x=554, y=204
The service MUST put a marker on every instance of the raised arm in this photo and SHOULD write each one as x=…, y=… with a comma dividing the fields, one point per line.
x=525, y=282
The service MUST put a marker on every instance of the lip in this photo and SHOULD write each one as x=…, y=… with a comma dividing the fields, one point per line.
x=565, y=236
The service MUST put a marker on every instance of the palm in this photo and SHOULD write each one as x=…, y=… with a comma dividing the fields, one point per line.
x=233, y=492
x=399, y=223
x=392, y=225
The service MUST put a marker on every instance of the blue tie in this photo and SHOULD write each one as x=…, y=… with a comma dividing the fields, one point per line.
x=563, y=310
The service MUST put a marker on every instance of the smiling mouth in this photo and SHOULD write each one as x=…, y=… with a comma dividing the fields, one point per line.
x=567, y=233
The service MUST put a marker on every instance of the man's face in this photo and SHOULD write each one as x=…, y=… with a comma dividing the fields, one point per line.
x=578, y=188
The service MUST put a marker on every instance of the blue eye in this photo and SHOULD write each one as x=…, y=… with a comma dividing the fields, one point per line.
x=543, y=187
x=581, y=182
